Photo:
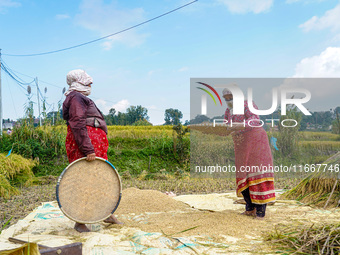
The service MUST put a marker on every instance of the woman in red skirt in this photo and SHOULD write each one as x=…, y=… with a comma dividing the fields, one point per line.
x=253, y=159
x=86, y=127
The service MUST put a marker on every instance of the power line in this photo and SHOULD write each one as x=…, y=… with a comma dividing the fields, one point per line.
x=101, y=38
x=54, y=85
x=10, y=91
x=22, y=84
x=48, y=110
x=51, y=84
x=40, y=92
x=15, y=77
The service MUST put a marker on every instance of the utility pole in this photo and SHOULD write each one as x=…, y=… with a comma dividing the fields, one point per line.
x=36, y=82
x=53, y=115
x=0, y=99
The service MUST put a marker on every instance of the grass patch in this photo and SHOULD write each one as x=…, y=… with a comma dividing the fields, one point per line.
x=318, y=136
x=320, y=145
x=139, y=131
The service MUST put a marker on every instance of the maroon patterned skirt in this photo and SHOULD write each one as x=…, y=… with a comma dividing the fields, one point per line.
x=98, y=139
x=252, y=150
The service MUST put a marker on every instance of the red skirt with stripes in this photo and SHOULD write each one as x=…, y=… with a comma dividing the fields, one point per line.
x=98, y=139
x=253, y=159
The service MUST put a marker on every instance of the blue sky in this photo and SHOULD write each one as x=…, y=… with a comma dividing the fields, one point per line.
x=152, y=64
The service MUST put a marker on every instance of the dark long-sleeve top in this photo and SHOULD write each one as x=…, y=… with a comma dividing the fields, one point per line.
x=80, y=111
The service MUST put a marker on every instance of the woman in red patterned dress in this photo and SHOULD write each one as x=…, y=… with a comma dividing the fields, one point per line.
x=86, y=127
x=253, y=159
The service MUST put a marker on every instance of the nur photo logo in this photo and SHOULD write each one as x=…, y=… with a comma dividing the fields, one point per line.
x=204, y=97
x=238, y=99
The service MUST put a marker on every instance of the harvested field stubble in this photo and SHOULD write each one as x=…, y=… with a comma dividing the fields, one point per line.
x=318, y=186
x=303, y=239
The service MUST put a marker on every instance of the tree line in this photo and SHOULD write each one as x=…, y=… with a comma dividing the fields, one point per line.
x=134, y=115
x=138, y=116
x=319, y=121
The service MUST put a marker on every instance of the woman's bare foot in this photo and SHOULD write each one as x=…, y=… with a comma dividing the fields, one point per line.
x=113, y=220
x=250, y=213
x=81, y=227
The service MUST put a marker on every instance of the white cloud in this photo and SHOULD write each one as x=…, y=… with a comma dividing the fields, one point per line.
x=303, y=1
x=107, y=19
x=183, y=69
x=154, y=71
x=105, y=107
x=329, y=20
x=335, y=40
x=107, y=45
x=152, y=107
x=327, y=64
x=121, y=106
x=151, y=72
x=4, y=4
x=62, y=16
x=245, y=6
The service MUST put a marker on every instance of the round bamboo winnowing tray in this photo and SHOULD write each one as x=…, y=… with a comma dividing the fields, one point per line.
x=89, y=191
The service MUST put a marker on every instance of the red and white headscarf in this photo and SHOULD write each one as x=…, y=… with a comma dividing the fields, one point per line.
x=79, y=80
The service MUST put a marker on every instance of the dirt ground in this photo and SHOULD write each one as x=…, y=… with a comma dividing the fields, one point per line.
x=29, y=198
x=153, y=211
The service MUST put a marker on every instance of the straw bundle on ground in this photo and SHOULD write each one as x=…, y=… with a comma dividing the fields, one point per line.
x=321, y=185
x=14, y=169
x=321, y=239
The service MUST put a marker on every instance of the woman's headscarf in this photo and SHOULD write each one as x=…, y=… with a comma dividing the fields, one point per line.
x=230, y=103
x=226, y=92
x=79, y=80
